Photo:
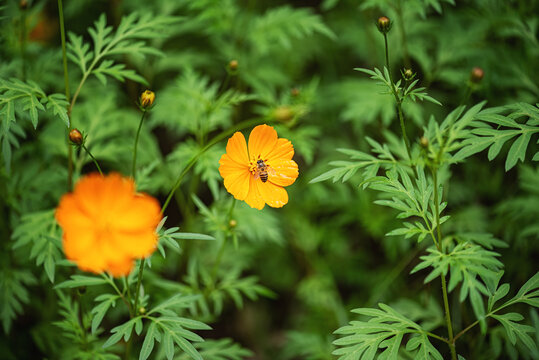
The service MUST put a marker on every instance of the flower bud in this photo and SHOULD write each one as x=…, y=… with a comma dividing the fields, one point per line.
x=384, y=24
x=476, y=75
x=294, y=92
x=23, y=4
x=142, y=310
x=283, y=113
x=76, y=137
x=147, y=98
x=233, y=65
x=407, y=74
x=424, y=142
x=232, y=224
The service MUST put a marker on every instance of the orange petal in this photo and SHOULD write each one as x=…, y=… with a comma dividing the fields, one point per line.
x=282, y=150
x=78, y=244
x=120, y=268
x=262, y=140
x=273, y=195
x=143, y=212
x=236, y=148
x=70, y=216
x=238, y=184
x=282, y=172
x=134, y=244
x=228, y=166
x=254, y=199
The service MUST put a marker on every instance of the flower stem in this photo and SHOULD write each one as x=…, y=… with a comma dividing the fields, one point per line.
x=222, y=248
x=440, y=246
x=66, y=85
x=133, y=170
x=398, y=100
x=139, y=281
x=23, y=43
x=93, y=158
x=194, y=159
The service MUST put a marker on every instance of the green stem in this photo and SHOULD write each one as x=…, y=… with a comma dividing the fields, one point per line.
x=222, y=249
x=134, y=167
x=438, y=337
x=93, y=158
x=111, y=282
x=448, y=320
x=193, y=160
x=139, y=281
x=441, y=249
x=387, y=57
x=23, y=43
x=66, y=85
x=398, y=100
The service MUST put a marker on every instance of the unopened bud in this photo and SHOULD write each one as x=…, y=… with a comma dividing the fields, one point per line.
x=283, y=113
x=424, y=142
x=408, y=75
x=383, y=24
x=76, y=137
x=147, y=98
x=476, y=75
x=232, y=223
x=294, y=92
x=233, y=65
x=23, y=4
x=142, y=310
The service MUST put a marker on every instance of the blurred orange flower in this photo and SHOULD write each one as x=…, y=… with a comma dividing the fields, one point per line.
x=107, y=224
x=258, y=173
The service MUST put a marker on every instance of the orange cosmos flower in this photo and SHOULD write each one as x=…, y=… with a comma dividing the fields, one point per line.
x=107, y=224
x=257, y=173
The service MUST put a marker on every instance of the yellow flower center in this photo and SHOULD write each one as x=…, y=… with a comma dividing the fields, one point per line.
x=253, y=164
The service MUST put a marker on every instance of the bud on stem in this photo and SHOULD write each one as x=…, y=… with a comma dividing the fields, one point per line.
x=76, y=137
x=383, y=24
x=147, y=98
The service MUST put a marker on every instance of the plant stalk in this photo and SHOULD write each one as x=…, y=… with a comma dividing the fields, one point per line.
x=139, y=281
x=398, y=100
x=93, y=158
x=66, y=85
x=440, y=246
x=134, y=167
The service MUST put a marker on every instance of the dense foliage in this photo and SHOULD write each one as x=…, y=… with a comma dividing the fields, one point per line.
x=409, y=233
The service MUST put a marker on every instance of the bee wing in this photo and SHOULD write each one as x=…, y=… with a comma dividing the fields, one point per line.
x=257, y=175
x=271, y=171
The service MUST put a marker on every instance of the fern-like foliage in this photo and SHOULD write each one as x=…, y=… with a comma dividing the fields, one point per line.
x=166, y=327
x=212, y=293
x=13, y=294
x=283, y=25
x=130, y=38
x=223, y=349
x=527, y=294
x=381, y=337
x=370, y=164
x=493, y=127
x=80, y=343
x=195, y=105
x=169, y=237
x=41, y=231
x=419, y=7
x=469, y=265
x=24, y=99
x=402, y=90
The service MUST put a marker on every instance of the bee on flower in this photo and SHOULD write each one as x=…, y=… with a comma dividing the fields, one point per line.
x=257, y=172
